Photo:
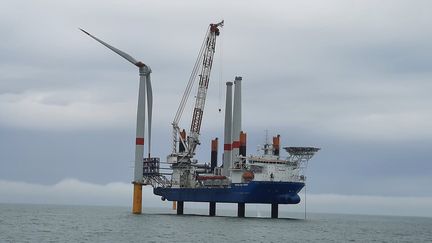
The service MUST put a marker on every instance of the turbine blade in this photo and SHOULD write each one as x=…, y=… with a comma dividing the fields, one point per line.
x=150, y=109
x=121, y=53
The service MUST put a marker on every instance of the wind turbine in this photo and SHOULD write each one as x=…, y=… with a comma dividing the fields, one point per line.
x=144, y=87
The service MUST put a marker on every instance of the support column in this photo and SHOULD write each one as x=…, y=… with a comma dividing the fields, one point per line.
x=139, y=144
x=227, y=156
x=242, y=150
x=236, y=121
x=241, y=210
x=274, y=210
x=137, y=198
x=180, y=207
x=276, y=145
x=214, y=154
x=212, y=208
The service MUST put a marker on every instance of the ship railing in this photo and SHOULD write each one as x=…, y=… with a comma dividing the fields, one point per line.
x=157, y=181
x=154, y=174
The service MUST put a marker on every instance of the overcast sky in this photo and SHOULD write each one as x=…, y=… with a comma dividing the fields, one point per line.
x=350, y=77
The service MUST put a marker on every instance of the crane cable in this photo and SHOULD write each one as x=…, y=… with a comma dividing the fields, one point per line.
x=192, y=79
x=220, y=73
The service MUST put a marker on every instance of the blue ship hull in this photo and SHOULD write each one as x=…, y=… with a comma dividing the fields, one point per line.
x=252, y=192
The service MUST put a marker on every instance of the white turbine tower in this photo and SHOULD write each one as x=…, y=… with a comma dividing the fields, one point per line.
x=144, y=87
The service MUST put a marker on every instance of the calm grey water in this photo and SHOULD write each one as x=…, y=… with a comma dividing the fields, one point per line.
x=48, y=223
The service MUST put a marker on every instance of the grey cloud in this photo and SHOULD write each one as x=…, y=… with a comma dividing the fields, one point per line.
x=351, y=78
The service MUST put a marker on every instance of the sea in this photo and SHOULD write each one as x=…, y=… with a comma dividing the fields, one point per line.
x=59, y=223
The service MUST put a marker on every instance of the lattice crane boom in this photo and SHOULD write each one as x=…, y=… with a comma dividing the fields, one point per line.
x=201, y=72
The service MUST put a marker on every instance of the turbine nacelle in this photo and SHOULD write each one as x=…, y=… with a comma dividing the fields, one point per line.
x=140, y=64
x=144, y=70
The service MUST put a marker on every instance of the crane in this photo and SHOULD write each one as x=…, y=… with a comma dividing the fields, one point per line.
x=201, y=71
